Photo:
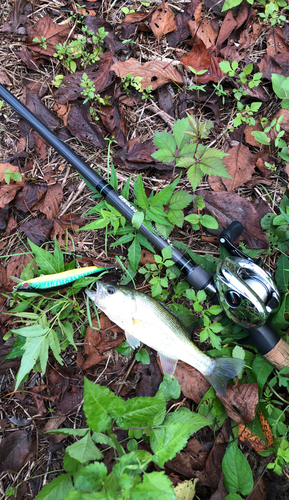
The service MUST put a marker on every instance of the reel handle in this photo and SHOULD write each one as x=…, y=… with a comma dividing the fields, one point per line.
x=232, y=232
x=279, y=355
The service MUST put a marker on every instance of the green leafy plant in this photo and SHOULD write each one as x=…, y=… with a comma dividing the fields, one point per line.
x=14, y=176
x=238, y=476
x=210, y=329
x=195, y=85
x=164, y=209
x=220, y=92
x=183, y=147
x=129, y=81
x=280, y=85
x=142, y=419
x=57, y=82
x=245, y=114
x=86, y=48
x=198, y=220
x=126, y=11
x=161, y=273
x=281, y=449
x=272, y=12
x=229, y=4
x=48, y=319
x=89, y=92
x=267, y=138
x=41, y=41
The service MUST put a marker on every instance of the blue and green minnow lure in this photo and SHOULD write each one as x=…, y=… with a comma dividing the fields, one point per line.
x=52, y=282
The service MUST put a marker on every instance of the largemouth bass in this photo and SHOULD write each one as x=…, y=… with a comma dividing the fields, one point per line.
x=146, y=320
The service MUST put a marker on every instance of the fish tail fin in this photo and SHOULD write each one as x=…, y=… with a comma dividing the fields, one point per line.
x=224, y=369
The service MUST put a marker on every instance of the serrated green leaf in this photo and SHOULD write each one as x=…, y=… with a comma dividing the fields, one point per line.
x=99, y=405
x=43, y=354
x=179, y=131
x=157, y=215
x=261, y=369
x=84, y=450
x=32, y=349
x=237, y=472
x=155, y=486
x=173, y=438
x=176, y=217
x=238, y=352
x=125, y=189
x=211, y=163
x=180, y=200
x=67, y=331
x=162, y=197
x=90, y=478
x=233, y=496
x=165, y=141
x=142, y=412
x=209, y=222
x=194, y=175
x=57, y=489
x=70, y=432
x=282, y=272
x=134, y=254
x=144, y=242
x=163, y=155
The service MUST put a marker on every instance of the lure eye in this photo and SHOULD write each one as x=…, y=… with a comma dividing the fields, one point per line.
x=25, y=285
x=110, y=290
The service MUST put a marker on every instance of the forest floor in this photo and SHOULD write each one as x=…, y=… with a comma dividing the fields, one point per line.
x=113, y=80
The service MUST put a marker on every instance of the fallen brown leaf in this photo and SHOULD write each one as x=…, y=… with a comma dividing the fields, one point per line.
x=192, y=458
x=193, y=384
x=8, y=192
x=243, y=398
x=18, y=22
x=163, y=20
x=150, y=376
x=12, y=224
x=62, y=110
x=18, y=448
x=52, y=201
x=240, y=166
x=4, y=79
x=204, y=30
x=112, y=41
x=66, y=386
x=147, y=257
x=199, y=57
x=154, y=73
x=38, y=230
x=113, y=119
x=228, y=25
x=81, y=126
x=97, y=342
x=53, y=33
x=276, y=42
x=226, y=207
x=34, y=104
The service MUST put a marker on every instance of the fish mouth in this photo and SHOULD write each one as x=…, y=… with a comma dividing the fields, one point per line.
x=98, y=295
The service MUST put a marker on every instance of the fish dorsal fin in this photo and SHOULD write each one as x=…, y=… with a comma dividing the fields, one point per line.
x=168, y=364
x=133, y=341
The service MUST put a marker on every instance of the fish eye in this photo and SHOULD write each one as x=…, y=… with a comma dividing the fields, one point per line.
x=25, y=285
x=110, y=290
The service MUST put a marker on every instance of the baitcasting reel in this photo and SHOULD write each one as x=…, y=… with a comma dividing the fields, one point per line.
x=247, y=293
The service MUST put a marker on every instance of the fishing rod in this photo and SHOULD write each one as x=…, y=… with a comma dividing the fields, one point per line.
x=247, y=293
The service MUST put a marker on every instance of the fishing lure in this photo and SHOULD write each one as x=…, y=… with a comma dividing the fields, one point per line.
x=50, y=282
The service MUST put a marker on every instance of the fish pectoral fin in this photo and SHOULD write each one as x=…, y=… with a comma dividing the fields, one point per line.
x=133, y=341
x=168, y=364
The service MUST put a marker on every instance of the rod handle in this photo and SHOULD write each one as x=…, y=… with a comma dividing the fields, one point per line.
x=279, y=355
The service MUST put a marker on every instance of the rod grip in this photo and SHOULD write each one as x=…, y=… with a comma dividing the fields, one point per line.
x=233, y=231
x=279, y=355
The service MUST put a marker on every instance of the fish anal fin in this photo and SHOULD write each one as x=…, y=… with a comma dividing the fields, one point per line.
x=168, y=364
x=133, y=341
